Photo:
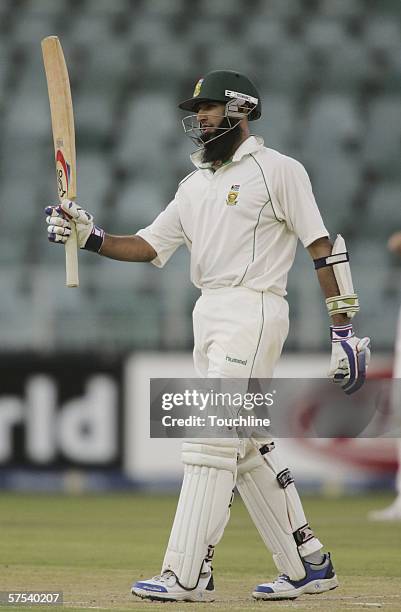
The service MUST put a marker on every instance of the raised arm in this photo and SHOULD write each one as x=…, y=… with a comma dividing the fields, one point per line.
x=92, y=238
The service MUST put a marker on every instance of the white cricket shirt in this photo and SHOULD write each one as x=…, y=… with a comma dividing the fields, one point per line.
x=241, y=223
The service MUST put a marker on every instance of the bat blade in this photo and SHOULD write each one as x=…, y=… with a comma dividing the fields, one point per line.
x=62, y=120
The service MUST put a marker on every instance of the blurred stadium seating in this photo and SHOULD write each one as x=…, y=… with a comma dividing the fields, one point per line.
x=330, y=74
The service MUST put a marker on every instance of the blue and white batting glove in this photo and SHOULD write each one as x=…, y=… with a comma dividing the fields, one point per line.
x=59, y=219
x=350, y=358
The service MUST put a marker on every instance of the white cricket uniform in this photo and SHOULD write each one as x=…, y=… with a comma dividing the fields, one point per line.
x=241, y=224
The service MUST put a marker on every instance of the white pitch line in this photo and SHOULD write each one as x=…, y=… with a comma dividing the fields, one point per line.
x=83, y=604
x=365, y=603
x=88, y=607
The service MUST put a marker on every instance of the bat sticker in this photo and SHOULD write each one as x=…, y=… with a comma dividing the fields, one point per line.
x=63, y=174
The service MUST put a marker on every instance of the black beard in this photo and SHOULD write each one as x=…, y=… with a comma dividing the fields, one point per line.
x=222, y=148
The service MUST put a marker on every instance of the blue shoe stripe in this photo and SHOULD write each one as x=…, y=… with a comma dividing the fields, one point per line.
x=145, y=586
x=263, y=589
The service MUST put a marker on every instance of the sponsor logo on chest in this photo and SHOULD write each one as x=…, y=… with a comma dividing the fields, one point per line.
x=232, y=196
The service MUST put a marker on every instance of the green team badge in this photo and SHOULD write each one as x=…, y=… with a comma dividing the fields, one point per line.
x=232, y=196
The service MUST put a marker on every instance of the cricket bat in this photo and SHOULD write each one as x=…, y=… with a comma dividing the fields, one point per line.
x=62, y=120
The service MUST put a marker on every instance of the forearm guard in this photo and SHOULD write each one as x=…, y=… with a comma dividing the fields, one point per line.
x=347, y=301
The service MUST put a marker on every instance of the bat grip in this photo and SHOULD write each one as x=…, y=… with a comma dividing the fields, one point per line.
x=71, y=258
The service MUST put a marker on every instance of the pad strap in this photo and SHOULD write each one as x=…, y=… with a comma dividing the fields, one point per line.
x=348, y=304
x=267, y=448
x=303, y=534
x=284, y=478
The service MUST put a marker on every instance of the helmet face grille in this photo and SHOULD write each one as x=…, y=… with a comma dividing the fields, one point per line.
x=194, y=131
x=223, y=86
x=235, y=110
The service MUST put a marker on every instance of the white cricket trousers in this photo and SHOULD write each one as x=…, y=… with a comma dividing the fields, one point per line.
x=238, y=332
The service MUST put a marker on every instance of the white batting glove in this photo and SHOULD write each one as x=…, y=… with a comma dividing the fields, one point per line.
x=350, y=358
x=59, y=219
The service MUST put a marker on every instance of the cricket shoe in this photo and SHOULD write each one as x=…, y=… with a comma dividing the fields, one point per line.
x=318, y=579
x=391, y=513
x=167, y=588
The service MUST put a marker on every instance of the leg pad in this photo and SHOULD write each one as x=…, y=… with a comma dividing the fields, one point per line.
x=203, y=507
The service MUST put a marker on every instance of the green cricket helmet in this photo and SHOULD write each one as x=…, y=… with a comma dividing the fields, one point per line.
x=240, y=95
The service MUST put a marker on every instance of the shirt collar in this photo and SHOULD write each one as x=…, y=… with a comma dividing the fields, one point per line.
x=250, y=145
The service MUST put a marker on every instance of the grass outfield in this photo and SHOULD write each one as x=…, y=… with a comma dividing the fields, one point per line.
x=93, y=547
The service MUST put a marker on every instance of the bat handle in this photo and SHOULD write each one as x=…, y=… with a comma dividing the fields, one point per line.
x=71, y=259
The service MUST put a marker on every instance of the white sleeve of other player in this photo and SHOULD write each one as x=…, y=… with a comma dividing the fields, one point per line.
x=297, y=202
x=165, y=234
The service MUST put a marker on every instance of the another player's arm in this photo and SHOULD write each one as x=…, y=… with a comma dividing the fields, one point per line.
x=394, y=243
